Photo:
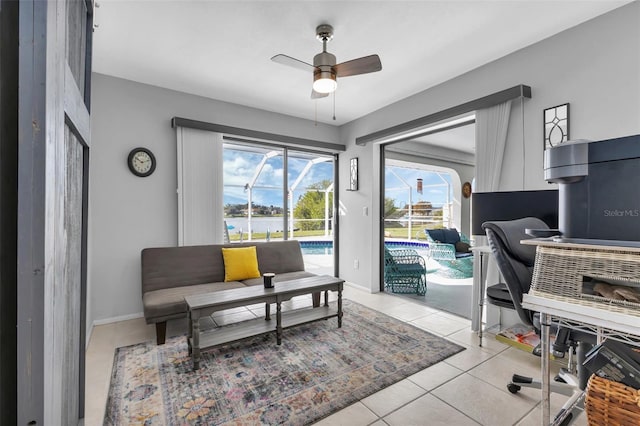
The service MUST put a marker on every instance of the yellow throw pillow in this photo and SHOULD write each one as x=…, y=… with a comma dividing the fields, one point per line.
x=240, y=263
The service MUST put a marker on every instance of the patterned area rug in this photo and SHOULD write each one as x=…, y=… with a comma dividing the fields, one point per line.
x=317, y=370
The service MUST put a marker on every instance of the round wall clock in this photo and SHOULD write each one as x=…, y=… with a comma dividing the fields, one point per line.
x=466, y=190
x=141, y=162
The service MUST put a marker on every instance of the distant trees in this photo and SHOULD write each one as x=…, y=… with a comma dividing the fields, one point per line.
x=311, y=205
x=390, y=208
x=231, y=210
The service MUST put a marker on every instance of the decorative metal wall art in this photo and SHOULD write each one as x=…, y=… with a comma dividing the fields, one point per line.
x=353, y=174
x=556, y=125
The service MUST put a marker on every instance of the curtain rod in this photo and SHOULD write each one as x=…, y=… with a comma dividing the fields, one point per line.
x=518, y=91
x=238, y=131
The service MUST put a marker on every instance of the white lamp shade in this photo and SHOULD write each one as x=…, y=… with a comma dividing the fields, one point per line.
x=324, y=82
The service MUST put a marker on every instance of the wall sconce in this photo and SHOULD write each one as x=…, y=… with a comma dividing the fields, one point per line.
x=353, y=174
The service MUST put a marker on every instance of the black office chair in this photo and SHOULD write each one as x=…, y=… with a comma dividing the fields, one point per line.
x=515, y=262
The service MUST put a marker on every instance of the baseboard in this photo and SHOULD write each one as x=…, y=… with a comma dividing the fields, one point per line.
x=117, y=319
x=357, y=286
x=110, y=321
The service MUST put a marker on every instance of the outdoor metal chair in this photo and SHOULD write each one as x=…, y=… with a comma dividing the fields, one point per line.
x=447, y=247
x=404, y=271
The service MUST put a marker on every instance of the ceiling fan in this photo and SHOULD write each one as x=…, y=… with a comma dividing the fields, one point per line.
x=324, y=68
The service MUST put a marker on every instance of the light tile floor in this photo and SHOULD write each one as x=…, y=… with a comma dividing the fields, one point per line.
x=466, y=389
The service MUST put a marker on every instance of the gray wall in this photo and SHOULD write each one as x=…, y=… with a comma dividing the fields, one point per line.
x=128, y=213
x=594, y=66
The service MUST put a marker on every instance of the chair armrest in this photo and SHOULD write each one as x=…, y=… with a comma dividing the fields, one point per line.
x=405, y=257
x=442, y=251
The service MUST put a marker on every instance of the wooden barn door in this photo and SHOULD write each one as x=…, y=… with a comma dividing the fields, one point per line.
x=53, y=160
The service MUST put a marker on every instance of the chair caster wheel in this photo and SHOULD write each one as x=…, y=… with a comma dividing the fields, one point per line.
x=513, y=388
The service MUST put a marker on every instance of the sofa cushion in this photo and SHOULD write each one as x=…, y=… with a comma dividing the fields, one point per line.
x=170, y=301
x=446, y=235
x=168, y=267
x=435, y=234
x=280, y=256
x=286, y=276
x=450, y=236
x=240, y=263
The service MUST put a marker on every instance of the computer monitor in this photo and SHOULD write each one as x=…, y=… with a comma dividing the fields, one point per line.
x=509, y=205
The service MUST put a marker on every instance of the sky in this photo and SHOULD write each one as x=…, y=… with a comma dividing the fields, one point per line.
x=239, y=169
x=398, y=180
x=240, y=166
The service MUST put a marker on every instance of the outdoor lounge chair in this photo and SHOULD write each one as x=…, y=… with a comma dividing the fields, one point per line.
x=404, y=271
x=450, y=249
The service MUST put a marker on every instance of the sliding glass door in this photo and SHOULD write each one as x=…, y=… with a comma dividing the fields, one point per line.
x=274, y=193
x=253, y=192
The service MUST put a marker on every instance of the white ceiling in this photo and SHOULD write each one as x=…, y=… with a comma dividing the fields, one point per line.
x=461, y=138
x=222, y=49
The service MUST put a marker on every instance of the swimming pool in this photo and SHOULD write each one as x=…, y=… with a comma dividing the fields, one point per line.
x=316, y=247
x=326, y=247
x=421, y=248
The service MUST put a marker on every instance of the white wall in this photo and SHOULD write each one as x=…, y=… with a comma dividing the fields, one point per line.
x=594, y=66
x=128, y=213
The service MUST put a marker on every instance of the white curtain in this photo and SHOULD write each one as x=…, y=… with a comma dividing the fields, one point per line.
x=491, y=135
x=200, y=207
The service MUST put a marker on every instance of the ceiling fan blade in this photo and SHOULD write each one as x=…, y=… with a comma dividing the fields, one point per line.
x=292, y=62
x=362, y=65
x=318, y=95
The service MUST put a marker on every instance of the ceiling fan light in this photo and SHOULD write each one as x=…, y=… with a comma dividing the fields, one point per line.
x=324, y=82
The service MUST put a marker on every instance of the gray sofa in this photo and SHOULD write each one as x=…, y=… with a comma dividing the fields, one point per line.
x=171, y=273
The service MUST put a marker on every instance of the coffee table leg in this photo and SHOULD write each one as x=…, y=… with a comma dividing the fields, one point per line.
x=196, y=343
x=339, y=308
x=326, y=298
x=267, y=310
x=189, y=334
x=278, y=323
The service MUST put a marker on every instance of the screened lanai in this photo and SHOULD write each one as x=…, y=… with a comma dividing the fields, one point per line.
x=417, y=197
x=269, y=191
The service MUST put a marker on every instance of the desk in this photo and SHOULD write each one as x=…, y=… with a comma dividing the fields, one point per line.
x=599, y=320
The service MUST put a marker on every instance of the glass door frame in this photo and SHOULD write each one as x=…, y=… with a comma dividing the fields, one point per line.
x=285, y=182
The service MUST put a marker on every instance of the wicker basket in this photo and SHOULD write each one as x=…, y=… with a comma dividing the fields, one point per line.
x=611, y=403
x=559, y=273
